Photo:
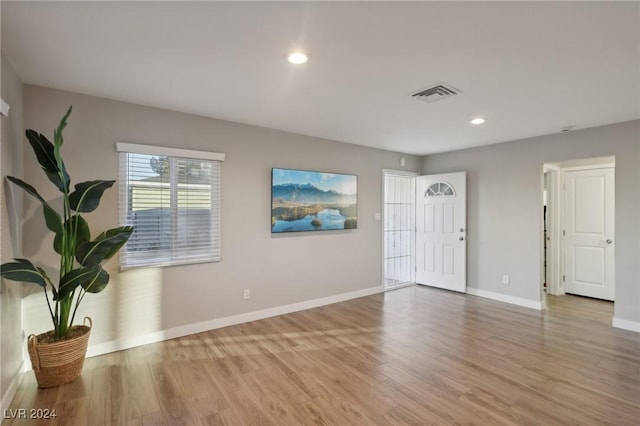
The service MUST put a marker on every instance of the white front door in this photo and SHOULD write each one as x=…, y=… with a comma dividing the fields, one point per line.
x=441, y=225
x=589, y=231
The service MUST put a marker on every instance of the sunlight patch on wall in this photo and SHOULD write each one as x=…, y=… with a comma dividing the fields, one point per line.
x=129, y=306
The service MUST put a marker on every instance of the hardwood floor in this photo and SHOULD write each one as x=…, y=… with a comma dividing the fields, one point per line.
x=580, y=308
x=413, y=356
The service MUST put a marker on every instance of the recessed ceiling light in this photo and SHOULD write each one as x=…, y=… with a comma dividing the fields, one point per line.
x=298, y=58
x=478, y=120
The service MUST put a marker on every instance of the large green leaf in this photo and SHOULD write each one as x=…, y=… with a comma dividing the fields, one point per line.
x=103, y=247
x=45, y=153
x=51, y=217
x=75, y=223
x=23, y=270
x=57, y=142
x=87, y=195
x=77, y=277
x=57, y=134
x=99, y=284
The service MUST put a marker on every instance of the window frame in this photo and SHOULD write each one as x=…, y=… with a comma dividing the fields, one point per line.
x=440, y=192
x=124, y=207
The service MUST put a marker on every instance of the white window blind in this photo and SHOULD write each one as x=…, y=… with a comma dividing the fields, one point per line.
x=172, y=199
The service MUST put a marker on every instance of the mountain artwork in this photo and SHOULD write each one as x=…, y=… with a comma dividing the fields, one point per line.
x=312, y=201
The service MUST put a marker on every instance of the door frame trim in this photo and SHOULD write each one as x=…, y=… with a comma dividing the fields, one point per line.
x=555, y=251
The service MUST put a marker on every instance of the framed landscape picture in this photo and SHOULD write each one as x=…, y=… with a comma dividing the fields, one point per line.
x=303, y=200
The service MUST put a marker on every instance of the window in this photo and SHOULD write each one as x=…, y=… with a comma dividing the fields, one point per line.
x=172, y=199
x=439, y=189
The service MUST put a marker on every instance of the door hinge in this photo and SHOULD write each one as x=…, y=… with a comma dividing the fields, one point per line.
x=563, y=232
x=563, y=278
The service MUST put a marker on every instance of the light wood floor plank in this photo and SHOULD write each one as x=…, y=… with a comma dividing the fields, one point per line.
x=413, y=356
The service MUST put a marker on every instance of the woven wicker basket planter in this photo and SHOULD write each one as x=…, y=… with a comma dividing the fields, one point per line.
x=61, y=362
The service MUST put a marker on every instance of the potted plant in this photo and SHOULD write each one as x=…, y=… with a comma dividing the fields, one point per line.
x=57, y=356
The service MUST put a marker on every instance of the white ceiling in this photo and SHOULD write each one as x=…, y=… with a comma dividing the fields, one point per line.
x=529, y=68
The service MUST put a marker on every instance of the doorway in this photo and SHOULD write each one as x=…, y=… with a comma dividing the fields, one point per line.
x=398, y=229
x=579, y=228
x=424, y=230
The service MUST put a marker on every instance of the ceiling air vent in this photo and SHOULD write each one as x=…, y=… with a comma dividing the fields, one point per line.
x=437, y=92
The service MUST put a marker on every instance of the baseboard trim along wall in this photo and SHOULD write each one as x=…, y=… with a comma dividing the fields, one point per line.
x=185, y=330
x=505, y=298
x=626, y=324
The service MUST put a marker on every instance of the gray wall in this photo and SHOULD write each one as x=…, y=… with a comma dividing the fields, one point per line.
x=279, y=270
x=10, y=292
x=505, y=207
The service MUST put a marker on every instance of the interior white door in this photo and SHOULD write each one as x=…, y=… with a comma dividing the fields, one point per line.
x=441, y=224
x=589, y=231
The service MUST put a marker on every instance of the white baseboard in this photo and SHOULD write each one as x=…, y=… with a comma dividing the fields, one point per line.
x=626, y=324
x=399, y=286
x=8, y=396
x=505, y=298
x=185, y=330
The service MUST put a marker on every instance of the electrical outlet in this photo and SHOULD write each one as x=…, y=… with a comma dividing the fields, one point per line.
x=246, y=294
x=505, y=279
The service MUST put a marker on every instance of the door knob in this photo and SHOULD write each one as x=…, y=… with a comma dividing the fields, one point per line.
x=461, y=238
x=608, y=241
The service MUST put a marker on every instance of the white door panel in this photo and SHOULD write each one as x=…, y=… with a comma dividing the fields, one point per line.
x=441, y=231
x=589, y=231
